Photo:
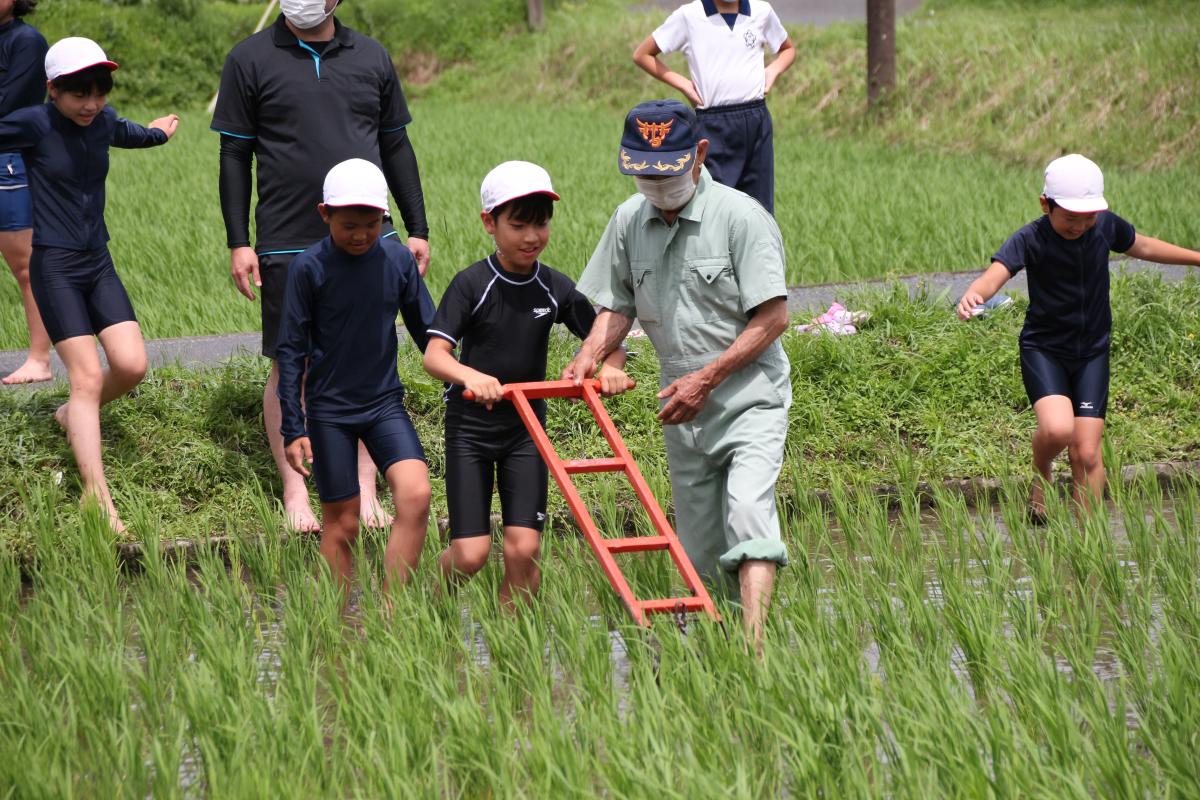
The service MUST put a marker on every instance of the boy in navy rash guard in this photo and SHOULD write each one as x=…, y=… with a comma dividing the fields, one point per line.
x=1065, y=341
x=339, y=324
x=498, y=312
x=65, y=144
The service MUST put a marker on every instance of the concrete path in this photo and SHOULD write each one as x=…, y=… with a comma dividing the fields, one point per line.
x=802, y=301
x=813, y=12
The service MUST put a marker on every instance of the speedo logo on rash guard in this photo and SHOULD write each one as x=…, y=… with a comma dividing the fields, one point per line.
x=538, y=313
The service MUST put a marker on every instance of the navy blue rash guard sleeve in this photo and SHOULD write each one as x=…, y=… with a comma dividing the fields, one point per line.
x=1119, y=232
x=1013, y=253
x=234, y=186
x=292, y=351
x=399, y=162
x=21, y=129
x=416, y=304
x=129, y=135
x=24, y=79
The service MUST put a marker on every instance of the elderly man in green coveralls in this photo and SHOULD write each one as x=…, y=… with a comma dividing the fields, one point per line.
x=701, y=267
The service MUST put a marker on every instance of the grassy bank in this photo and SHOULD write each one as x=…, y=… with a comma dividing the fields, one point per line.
x=916, y=395
x=847, y=209
x=1020, y=81
x=943, y=656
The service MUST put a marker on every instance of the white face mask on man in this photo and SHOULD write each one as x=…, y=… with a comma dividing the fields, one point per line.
x=667, y=194
x=305, y=14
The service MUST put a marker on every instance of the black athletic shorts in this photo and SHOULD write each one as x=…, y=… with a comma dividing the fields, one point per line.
x=77, y=292
x=272, y=271
x=388, y=434
x=1083, y=380
x=476, y=453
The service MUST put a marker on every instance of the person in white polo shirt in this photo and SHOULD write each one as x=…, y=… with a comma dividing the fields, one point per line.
x=723, y=41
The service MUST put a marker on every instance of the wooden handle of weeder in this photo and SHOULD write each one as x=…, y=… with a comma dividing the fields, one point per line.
x=539, y=389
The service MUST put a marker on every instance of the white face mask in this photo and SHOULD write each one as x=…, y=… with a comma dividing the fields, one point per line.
x=304, y=14
x=667, y=194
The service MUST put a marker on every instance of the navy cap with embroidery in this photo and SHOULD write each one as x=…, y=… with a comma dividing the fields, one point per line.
x=660, y=139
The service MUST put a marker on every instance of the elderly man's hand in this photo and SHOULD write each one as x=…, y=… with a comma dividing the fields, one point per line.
x=688, y=396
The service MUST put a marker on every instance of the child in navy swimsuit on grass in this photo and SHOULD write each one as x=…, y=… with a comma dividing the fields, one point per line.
x=337, y=370
x=1065, y=341
x=498, y=313
x=65, y=144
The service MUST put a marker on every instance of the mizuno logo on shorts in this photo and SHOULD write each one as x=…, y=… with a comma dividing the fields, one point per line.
x=1086, y=407
x=538, y=313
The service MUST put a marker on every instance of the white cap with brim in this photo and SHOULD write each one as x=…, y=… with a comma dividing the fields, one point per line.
x=356, y=182
x=514, y=179
x=75, y=54
x=1076, y=184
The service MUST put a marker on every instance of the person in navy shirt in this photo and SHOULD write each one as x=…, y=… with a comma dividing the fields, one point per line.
x=498, y=313
x=337, y=369
x=22, y=83
x=65, y=144
x=1064, y=344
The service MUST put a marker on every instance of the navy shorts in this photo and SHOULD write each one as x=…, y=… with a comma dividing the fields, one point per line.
x=1083, y=380
x=77, y=292
x=16, y=209
x=741, y=152
x=475, y=455
x=388, y=434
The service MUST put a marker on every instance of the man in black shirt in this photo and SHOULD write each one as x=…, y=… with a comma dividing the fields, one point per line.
x=300, y=96
x=1065, y=341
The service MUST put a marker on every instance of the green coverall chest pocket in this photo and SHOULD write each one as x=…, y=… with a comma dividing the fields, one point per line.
x=711, y=288
x=645, y=292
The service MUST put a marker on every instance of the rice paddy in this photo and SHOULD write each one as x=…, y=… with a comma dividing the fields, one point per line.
x=910, y=653
x=848, y=209
x=917, y=646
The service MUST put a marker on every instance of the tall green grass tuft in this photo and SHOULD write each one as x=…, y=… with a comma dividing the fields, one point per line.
x=908, y=653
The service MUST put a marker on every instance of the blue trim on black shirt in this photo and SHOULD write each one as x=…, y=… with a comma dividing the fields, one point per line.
x=316, y=56
x=234, y=135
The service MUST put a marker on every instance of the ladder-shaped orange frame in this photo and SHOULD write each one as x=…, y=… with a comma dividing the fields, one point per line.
x=622, y=461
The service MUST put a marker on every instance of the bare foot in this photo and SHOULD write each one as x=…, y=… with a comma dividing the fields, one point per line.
x=300, y=517
x=32, y=371
x=372, y=515
x=110, y=511
x=60, y=416
x=1037, y=504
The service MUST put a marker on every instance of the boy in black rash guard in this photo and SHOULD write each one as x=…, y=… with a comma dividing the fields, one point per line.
x=1065, y=341
x=499, y=312
x=65, y=147
x=339, y=323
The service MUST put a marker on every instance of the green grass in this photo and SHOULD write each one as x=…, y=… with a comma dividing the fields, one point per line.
x=847, y=209
x=1020, y=81
x=907, y=655
x=989, y=91
x=916, y=395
